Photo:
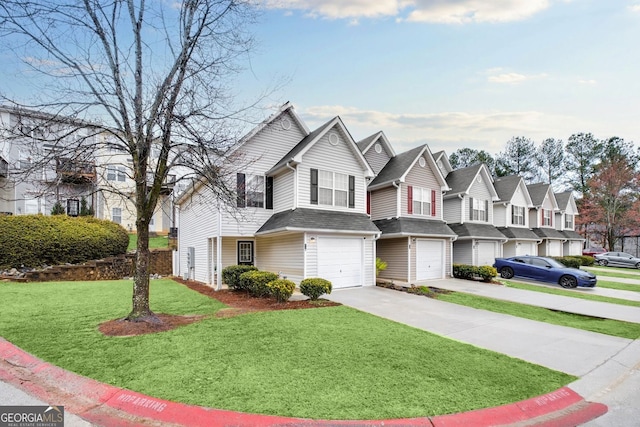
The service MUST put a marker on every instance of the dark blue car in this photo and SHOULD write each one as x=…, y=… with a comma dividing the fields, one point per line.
x=545, y=270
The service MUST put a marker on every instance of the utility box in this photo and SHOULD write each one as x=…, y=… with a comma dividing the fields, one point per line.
x=191, y=257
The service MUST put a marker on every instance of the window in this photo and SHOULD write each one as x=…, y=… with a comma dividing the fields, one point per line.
x=332, y=189
x=73, y=207
x=546, y=217
x=568, y=222
x=421, y=201
x=479, y=210
x=517, y=215
x=111, y=173
x=250, y=191
x=116, y=215
x=245, y=253
x=116, y=173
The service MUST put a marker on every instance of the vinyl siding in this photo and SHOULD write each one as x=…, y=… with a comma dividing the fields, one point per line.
x=463, y=252
x=572, y=247
x=479, y=190
x=377, y=161
x=395, y=253
x=452, y=211
x=500, y=215
x=384, y=203
x=425, y=178
x=283, y=254
x=283, y=192
x=339, y=158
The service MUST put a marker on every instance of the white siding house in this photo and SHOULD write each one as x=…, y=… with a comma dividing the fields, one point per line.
x=566, y=223
x=542, y=220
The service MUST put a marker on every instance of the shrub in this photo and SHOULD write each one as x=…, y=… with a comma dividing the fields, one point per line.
x=231, y=276
x=380, y=266
x=470, y=272
x=281, y=289
x=256, y=281
x=37, y=240
x=57, y=209
x=586, y=260
x=573, y=262
x=314, y=287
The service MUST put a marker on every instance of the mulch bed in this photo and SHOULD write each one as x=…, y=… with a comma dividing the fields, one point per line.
x=237, y=302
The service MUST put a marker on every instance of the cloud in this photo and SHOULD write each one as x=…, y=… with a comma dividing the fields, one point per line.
x=447, y=130
x=497, y=76
x=587, y=81
x=431, y=11
x=635, y=8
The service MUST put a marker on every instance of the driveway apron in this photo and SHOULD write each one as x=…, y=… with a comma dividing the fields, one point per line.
x=561, y=348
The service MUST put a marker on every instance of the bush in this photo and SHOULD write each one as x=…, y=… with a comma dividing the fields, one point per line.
x=231, y=276
x=380, y=266
x=573, y=262
x=586, y=260
x=37, y=240
x=281, y=289
x=486, y=273
x=256, y=282
x=314, y=287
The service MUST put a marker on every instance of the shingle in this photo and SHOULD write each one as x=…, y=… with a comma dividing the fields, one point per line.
x=365, y=142
x=518, y=233
x=548, y=233
x=563, y=199
x=301, y=145
x=538, y=192
x=572, y=235
x=316, y=219
x=397, y=166
x=506, y=187
x=470, y=229
x=414, y=227
x=460, y=180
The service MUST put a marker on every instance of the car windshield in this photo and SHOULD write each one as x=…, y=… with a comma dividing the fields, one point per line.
x=555, y=264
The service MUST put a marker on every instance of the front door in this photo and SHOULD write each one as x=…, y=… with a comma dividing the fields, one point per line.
x=245, y=252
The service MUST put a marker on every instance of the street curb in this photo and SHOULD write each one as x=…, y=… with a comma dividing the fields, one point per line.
x=107, y=405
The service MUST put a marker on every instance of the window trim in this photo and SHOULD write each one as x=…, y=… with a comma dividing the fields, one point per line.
x=239, y=252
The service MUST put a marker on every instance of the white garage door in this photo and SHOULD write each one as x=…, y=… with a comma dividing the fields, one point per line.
x=486, y=253
x=429, y=257
x=555, y=248
x=526, y=248
x=340, y=261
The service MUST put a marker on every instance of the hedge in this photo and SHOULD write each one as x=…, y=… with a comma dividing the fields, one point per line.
x=281, y=289
x=231, y=276
x=470, y=272
x=38, y=240
x=573, y=262
x=256, y=282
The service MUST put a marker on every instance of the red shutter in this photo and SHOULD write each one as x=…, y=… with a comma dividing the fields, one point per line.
x=410, y=196
x=433, y=202
x=368, y=203
x=541, y=217
x=551, y=219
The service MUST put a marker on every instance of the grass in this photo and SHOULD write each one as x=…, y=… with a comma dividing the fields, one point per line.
x=618, y=285
x=332, y=362
x=604, y=326
x=571, y=293
x=154, y=242
x=620, y=272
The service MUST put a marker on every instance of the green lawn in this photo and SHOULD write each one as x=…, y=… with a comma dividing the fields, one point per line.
x=332, y=362
x=570, y=293
x=625, y=273
x=593, y=324
x=154, y=242
x=618, y=285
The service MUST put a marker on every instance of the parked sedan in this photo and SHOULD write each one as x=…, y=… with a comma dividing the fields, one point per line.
x=545, y=270
x=593, y=251
x=621, y=259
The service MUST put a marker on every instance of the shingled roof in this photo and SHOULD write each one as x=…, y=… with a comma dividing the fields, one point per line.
x=549, y=233
x=397, y=166
x=414, y=227
x=302, y=219
x=518, y=233
x=506, y=187
x=473, y=230
x=538, y=192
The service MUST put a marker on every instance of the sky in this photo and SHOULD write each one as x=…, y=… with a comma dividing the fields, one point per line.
x=454, y=73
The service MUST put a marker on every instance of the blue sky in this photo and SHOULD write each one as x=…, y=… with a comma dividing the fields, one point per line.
x=455, y=73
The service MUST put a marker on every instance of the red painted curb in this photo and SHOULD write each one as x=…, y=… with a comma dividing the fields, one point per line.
x=104, y=404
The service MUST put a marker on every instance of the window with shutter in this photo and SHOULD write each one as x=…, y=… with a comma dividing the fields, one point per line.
x=352, y=191
x=268, y=204
x=240, y=190
x=314, y=186
x=409, y=199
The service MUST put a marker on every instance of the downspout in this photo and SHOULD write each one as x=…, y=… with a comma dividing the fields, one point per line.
x=398, y=201
x=295, y=184
x=219, y=252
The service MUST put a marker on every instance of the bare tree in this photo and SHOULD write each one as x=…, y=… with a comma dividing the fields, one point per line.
x=550, y=160
x=152, y=75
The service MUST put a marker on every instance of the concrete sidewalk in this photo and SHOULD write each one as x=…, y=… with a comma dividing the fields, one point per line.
x=540, y=299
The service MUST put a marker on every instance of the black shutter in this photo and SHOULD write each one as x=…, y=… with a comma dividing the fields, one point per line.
x=240, y=190
x=269, y=193
x=470, y=208
x=314, y=186
x=352, y=191
x=486, y=210
x=513, y=214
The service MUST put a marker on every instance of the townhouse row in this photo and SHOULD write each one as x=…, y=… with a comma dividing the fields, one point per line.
x=319, y=204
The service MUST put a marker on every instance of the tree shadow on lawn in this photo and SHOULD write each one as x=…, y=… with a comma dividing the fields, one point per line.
x=237, y=302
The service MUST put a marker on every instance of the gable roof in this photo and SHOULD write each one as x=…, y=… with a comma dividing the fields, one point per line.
x=303, y=219
x=399, y=166
x=565, y=199
x=366, y=144
x=507, y=186
x=460, y=181
x=538, y=192
x=287, y=107
x=442, y=156
x=295, y=155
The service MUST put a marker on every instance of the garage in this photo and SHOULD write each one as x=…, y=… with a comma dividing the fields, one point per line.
x=486, y=253
x=340, y=260
x=526, y=248
x=429, y=259
x=555, y=248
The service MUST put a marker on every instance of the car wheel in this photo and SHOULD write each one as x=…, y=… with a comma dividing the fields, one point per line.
x=568, y=282
x=506, y=272
x=638, y=265
x=603, y=262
